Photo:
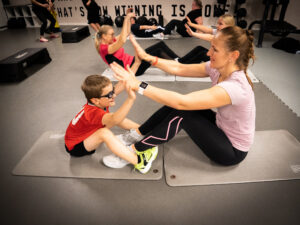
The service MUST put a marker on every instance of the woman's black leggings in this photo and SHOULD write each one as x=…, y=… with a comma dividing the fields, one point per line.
x=160, y=50
x=201, y=127
x=43, y=14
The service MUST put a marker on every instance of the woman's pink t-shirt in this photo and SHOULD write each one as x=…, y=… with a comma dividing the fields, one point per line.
x=238, y=119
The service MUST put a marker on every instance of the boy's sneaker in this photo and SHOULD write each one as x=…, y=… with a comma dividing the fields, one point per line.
x=114, y=161
x=127, y=139
x=147, y=157
x=130, y=137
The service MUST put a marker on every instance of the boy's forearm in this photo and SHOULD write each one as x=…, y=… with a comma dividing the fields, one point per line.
x=122, y=112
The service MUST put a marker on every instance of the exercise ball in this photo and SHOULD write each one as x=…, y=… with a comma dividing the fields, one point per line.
x=101, y=20
x=119, y=21
x=242, y=24
x=242, y=12
x=108, y=20
x=142, y=20
x=153, y=21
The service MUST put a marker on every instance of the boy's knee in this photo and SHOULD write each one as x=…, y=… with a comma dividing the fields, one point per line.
x=104, y=134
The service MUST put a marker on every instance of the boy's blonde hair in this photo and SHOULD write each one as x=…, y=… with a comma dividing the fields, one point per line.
x=93, y=85
x=228, y=19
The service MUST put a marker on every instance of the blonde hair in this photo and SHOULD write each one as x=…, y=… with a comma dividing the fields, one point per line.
x=236, y=38
x=228, y=19
x=98, y=35
x=93, y=85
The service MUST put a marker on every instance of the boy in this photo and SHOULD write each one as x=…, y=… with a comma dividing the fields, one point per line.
x=91, y=126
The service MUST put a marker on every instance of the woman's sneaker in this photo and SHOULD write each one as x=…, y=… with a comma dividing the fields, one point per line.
x=147, y=157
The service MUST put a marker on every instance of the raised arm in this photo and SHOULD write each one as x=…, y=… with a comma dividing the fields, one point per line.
x=199, y=27
x=203, y=99
x=112, y=119
x=205, y=37
x=170, y=66
x=121, y=39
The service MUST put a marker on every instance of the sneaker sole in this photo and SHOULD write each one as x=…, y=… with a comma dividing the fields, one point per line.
x=112, y=165
x=147, y=168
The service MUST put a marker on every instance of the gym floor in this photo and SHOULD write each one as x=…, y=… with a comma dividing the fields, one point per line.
x=48, y=100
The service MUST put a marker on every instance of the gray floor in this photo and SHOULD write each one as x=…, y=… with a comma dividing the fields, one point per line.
x=48, y=99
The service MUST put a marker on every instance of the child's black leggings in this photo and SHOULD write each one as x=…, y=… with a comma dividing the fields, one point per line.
x=201, y=127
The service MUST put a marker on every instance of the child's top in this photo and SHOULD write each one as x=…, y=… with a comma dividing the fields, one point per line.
x=85, y=123
x=120, y=56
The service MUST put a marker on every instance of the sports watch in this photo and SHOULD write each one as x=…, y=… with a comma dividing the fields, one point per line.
x=142, y=88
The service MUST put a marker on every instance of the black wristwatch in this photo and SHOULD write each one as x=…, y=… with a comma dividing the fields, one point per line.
x=142, y=88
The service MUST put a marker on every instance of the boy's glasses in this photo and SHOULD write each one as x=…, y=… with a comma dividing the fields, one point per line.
x=110, y=94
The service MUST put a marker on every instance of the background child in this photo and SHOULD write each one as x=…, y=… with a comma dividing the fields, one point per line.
x=91, y=126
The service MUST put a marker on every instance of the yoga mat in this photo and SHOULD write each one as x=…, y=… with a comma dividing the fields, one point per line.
x=151, y=74
x=48, y=157
x=275, y=155
x=207, y=79
x=173, y=36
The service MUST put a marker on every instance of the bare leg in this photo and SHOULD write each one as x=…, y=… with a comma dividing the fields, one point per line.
x=128, y=124
x=94, y=26
x=106, y=136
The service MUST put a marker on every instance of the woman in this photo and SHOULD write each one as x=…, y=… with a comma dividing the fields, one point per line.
x=111, y=48
x=42, y=10
x=226, y=136
x=195, y=16
x=199, y=53
x=93, y=15
x=207, y=33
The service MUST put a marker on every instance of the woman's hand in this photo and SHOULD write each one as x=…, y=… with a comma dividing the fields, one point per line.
x=189, y=22
x=139, y=51
x=125, y=75
x=189, y=30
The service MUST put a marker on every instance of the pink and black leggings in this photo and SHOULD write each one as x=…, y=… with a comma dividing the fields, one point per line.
x=201, y=127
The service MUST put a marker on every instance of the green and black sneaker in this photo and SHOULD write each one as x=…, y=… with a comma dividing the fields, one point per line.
x=147, y=157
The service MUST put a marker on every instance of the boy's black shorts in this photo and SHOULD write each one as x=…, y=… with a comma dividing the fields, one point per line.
x=79, y=150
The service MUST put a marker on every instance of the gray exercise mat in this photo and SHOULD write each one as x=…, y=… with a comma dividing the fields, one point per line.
x=48, y=157
x=275, y=155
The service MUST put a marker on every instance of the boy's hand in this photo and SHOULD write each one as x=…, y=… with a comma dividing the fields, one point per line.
x=130, y=92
